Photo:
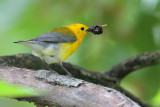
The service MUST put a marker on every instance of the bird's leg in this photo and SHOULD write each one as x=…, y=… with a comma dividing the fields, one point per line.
x=49, y=68
x=69, y=74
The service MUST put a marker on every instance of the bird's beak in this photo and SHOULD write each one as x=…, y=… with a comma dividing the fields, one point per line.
x=89, y=29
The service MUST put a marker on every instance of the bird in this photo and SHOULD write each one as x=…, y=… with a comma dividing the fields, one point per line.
x=58, y=44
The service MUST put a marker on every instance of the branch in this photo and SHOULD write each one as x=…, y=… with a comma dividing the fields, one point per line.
x=84, y=94
x=122, y=69
x=31, y=62
x=133, y=97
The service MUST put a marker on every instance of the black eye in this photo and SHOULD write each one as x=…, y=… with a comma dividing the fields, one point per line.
x=82, y=28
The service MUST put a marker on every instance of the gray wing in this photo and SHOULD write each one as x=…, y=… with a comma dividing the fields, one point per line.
x=55, y=37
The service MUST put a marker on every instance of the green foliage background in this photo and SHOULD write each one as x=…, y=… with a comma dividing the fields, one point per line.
x=133, y=28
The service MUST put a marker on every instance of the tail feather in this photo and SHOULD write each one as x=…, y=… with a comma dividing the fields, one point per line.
x=19, y=41
x=29, y=44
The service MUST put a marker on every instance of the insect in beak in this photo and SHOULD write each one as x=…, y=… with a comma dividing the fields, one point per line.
x=96, y=29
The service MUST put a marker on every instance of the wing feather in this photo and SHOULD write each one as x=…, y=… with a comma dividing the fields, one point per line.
x=56, y=37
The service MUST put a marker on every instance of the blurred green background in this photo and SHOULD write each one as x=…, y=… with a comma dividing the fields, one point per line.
x=133, y=28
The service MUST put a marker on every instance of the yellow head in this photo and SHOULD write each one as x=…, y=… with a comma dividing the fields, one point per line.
x=78, y=29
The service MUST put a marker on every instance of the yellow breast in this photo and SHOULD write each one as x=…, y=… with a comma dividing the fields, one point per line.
x=67, y=49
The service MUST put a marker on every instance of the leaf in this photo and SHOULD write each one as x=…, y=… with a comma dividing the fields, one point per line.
x=10, y=90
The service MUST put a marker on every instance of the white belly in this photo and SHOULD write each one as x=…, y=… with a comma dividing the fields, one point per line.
x=52, y=53
x=48, y=54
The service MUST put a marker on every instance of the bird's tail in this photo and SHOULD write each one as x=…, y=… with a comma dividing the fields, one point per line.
x=19, y=41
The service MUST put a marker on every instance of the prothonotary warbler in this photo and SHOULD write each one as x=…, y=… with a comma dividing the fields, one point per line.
x=58, y=44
